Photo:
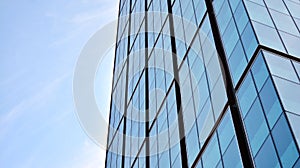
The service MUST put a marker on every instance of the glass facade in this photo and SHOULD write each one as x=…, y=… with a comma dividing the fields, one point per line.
x=200, y=83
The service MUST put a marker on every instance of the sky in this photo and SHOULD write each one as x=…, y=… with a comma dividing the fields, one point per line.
x=40, y=42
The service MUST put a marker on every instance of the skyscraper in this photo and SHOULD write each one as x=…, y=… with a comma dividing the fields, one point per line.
x=200, y=83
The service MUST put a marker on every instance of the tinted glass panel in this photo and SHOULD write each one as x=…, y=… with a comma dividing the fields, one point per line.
x=284, y=142
x=256, y=126
x=266, y=156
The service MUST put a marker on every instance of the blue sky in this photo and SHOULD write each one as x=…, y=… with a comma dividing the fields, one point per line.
x=40, y=42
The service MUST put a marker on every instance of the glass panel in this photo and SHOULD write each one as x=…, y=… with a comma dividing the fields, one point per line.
x=277, y=5
x=293, y=8
x=289, y=93
x=218, y=97
x=186, y=93
x=241, y=17
x=230, y=37
x=237, y=62
x=175, y=151
x=192, y=145
x=200, y=9
x=233, y=4
x=295, y=122
x=199, y=164
x=205, y=122
x=203, y=93
x=258, y=13
x=291, y=43
x=270, y=102
x=177, y=161
x=284, y=22
x=153, y=160
x=232, y=156
x=297, y=164
x=297, y=21
x=260, y=2
x=218, y=5
x=268, y=36
x=211, y=156
x=164, y=160
x=297, y=67
x=266, y=156
x=246, y=94
x=259, y=71
x=207, y=48
x=284, y=143
x=256, y=126
x=249, y=40
x=281, y=67
x=225, y=131
x=197, y=69
x=219, y=165
x=213, y=70
x=223, y=17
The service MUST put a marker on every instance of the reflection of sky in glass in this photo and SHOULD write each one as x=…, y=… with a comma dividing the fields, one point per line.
x=40, y=43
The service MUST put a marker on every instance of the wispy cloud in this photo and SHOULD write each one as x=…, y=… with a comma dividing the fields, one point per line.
x=83, y=22
x=40, y=97
x=91, y=16
x=36, y=126
x=27, y=119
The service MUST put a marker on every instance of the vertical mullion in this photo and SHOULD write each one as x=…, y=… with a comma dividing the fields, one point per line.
x=147, y=89
x=184, y=160
x=126, y=87
x=230, y=91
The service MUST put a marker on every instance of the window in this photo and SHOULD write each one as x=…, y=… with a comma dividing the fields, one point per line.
x=259, y=13
x=284, y=143
x=294, y=121
x=200, y=9
x=241, y=17
x=203, y=93
x=284, y=22
x=277, y=5
x=246, y=94
x=218, y=5
x=192, y=144
x=268, y=36
x=256, y=126
x=297, y=67
x=164, y=160
x=224, y=17
x=293, y=8
x=270, y=102
x=211, y=156
x=230, y=37
x=289, y=93
x=232, y=156
x=218, y=97
x=259, y=71
x=249, y=40
x=292, y=43
x=233, y=4
x=281, y=67
x=266, y=156
x=225, y=131
x=197, y=69
x=205, y=122
x=237, y=62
